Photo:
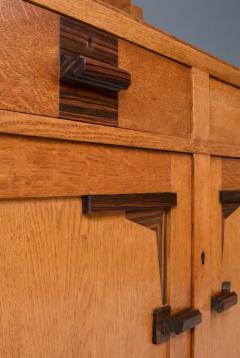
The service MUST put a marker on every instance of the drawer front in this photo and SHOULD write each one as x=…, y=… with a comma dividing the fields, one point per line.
x=224, y=112
x=29, y=56
x=160, y=96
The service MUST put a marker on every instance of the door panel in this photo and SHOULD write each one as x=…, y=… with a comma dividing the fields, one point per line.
x=226, y=326
x=76, y=286
x=225, y=251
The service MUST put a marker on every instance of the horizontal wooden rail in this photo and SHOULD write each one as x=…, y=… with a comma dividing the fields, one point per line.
x=48, y=127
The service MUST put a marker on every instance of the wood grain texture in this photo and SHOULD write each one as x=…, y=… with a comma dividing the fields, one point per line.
x=159, y=98
x=123, y=26
x=179, y=239
x=230, y=174
x=200, y=112
x=201, y=253
x=79, y=103
x=29, y=58
x=80, y=70
x=228, y=324
x=84, y=103
x=34, y=167
x=69, y=130
x=224, y=112
x=123, y=202
x=73, y=286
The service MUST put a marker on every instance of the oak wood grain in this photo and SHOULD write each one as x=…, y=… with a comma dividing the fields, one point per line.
x=230, y=174
x=73, y=286
x=32, y=167
x=45, y=127
x=224, y=113
x=29, y=58
x=159, y=98
x=228, y=323
x=201, y=253
x=125, y=27
x=179, y=244
x=200, y=112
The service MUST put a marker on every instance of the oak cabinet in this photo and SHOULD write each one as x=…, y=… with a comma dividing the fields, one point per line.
x=119, y=188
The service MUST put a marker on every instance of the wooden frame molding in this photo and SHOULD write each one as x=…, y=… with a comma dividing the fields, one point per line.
x=47, y=127
x=149, y=210
x=230, y=200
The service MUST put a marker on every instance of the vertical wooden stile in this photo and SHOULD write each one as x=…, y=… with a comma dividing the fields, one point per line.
x=201, y=215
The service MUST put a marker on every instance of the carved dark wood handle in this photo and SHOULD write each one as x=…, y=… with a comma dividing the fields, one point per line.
x=82, y=70
x=224, y=300
x=165, y=324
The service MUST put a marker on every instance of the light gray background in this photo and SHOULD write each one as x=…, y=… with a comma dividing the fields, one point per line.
x=212, y=25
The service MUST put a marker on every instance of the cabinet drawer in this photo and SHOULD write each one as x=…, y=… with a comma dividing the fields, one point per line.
x=85, y=74
x=159, y=99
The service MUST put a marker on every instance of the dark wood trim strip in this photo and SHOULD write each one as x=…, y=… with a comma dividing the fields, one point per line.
x=128, y=202
x=230, y=200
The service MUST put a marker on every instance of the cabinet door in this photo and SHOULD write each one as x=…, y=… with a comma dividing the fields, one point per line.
x=81, y=284
x=225, y=320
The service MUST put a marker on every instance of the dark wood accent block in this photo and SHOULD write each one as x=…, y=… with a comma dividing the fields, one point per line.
x=128, y=202
x=90, y=77
x=83, y=104
x=80, y=70
x=230, y=200
x=79, y=38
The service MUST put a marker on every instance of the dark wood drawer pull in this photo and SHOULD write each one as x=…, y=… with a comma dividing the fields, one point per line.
x=82, y=70
x=165, y=324
x=224, y=300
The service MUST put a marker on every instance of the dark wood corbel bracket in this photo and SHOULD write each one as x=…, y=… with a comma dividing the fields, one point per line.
x=230, y=200
x=148, y=210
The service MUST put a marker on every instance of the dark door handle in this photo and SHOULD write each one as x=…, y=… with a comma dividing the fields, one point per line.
x=224, y=300
x=165, y=324
x=79, y=70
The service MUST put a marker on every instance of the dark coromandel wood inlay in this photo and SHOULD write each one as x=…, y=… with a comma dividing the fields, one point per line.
x=149, y=210
x=89, y=75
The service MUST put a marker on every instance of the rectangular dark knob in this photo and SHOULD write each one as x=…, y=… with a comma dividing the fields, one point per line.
x=223, y=301
x=185, y=320
x=82, y=70
x=165, y=324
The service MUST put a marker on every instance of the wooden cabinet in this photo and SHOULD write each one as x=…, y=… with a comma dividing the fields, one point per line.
x=119, y=188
